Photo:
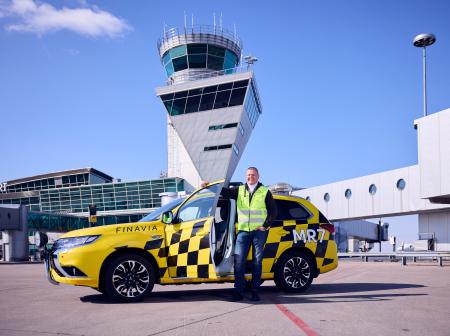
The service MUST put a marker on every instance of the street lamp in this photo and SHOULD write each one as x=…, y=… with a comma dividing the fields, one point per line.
x=423, y=41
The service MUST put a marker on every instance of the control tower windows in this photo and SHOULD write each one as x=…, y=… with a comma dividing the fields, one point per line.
x=168, y=105
x=252, y=107
x=192, y=104
x=169, y=69
x=239, y=84
x=196, y=48
x=167, y=97
x=197, y=61
x=223, y=126
x=178, y=106
x=219, y=147
x=216, y=51
x=215, y=63
x=167, y=62
x=210, y=89
x=166, y=58
x=237, y=97
x=208, y=98
x=225, y=86
x=213, y=148
x=230, y=60
x=207, y=101
x=180, y=63
x=222, y=99
x=177, y=51
x=241, y=128
x=199, y=56
x=181, y=94
x=236, y=150
x=195, y=92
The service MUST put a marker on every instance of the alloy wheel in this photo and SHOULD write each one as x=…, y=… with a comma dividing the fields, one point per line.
x=296, y=272
x=130, y=278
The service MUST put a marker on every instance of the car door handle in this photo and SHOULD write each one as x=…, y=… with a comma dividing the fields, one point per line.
x=285, y=233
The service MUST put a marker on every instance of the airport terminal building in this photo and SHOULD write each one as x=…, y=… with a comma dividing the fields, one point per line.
x=422, y=189
x=59, y=202
x=70, y=193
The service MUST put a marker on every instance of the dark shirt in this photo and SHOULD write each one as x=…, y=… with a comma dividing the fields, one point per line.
x=270, y=203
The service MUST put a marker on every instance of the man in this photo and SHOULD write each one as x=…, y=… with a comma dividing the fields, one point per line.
x=256, y=209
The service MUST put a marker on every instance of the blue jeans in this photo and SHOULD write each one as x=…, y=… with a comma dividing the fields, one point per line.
x=244, y=240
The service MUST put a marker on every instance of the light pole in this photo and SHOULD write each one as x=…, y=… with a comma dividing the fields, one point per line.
x=423, y=41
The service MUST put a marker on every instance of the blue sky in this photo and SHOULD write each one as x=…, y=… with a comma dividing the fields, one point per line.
x=340, y=82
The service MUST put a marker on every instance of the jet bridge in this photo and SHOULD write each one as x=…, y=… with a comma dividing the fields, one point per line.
x=356, y=235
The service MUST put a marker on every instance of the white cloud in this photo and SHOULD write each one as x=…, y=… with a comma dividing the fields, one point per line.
x=40, y=18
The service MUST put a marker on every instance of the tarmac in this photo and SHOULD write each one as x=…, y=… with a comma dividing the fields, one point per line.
x=374, y=298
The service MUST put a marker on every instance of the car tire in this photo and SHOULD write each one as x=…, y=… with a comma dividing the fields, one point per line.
x=128, y=278
x=294, y=272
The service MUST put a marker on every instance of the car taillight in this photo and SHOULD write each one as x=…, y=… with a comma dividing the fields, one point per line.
x=329, y=227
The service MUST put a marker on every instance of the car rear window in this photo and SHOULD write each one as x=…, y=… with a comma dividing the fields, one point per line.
x=288, y=210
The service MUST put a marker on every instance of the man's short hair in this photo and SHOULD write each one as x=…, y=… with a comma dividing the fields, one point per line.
x=253, y=168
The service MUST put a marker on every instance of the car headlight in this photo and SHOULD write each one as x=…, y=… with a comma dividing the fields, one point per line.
x=68, y=243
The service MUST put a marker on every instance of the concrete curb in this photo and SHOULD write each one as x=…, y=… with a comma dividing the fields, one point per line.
x=20, y=262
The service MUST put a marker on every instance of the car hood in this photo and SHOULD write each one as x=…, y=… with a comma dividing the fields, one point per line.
x=105, y=229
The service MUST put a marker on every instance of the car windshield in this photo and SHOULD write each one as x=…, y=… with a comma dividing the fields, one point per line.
x=157, y=213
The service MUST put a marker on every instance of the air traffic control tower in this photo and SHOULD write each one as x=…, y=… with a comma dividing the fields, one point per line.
x=212, y=103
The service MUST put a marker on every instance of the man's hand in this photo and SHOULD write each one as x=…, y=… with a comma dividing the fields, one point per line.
x=260, y=228
x=203, y=184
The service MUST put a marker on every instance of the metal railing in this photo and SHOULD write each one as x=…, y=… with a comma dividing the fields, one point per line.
x=404, y=256
x=189, y=76
x=199, y=29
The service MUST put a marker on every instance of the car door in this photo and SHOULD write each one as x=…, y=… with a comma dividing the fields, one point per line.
x=188, y=236
x=292, y=218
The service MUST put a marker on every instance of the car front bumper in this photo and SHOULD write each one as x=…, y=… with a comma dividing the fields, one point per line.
x=66, y=272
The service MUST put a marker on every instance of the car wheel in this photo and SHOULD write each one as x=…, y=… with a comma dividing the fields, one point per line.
x=128, y=278
x=294, y=272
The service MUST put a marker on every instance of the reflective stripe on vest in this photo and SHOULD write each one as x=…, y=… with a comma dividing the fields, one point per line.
x=254, y=214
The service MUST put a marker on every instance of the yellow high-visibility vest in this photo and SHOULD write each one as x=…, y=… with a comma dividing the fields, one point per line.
x=251, y=214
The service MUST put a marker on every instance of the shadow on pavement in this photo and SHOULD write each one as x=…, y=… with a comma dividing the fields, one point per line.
x=271, y=294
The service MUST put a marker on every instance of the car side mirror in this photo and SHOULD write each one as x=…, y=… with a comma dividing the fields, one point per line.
x=167, y=217
x=40, y=239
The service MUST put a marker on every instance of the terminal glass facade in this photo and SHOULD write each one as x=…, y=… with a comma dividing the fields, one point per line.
x=32, y=203
x=63, y=209
x=110, y=196
x=52, y=182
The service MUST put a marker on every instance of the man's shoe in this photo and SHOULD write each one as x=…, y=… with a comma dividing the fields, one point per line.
x=237, y=297
x=255, y=296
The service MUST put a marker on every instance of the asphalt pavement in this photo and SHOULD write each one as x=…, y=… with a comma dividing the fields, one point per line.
x=375, y=298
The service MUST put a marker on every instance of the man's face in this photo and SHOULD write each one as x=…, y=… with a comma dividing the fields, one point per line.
x=252, y=176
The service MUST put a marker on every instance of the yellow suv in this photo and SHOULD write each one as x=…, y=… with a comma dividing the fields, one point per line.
x=192, y=241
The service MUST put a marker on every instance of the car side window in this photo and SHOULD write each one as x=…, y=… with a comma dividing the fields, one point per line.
x=199, y=206
x=289, y=210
